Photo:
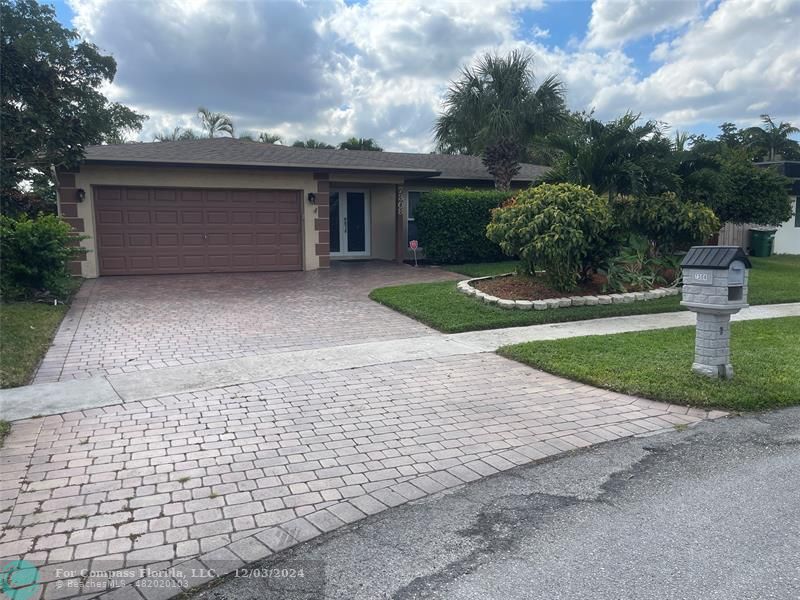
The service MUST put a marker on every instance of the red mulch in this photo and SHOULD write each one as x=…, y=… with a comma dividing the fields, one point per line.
x=521, y=287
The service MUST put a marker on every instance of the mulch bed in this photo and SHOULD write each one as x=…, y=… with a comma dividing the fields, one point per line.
x=522, y=287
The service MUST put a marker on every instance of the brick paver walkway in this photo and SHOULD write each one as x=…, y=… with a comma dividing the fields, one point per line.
x=130, y=324
x=230, y=475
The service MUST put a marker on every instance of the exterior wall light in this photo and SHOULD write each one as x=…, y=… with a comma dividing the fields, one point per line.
x=312, y=198
x=80, y=194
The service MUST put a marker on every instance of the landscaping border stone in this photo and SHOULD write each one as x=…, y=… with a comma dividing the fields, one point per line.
x=466, y=287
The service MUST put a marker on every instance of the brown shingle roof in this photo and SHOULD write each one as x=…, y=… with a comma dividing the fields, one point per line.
x=233, y=152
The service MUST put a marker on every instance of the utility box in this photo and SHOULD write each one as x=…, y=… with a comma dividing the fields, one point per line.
x=714, y=287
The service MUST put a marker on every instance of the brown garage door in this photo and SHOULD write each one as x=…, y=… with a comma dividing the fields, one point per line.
x=155, y=230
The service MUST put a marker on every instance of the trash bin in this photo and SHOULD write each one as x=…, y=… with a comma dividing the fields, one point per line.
x=761, y=242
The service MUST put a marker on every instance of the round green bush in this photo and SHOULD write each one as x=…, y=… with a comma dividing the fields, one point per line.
x=554, y=227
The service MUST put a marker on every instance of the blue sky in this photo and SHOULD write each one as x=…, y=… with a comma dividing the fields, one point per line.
x=378, y=68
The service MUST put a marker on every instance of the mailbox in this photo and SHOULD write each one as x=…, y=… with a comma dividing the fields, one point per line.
x=714, y=287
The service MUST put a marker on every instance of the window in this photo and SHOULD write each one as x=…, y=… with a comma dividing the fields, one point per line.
x=413, y=199
x=797, y=212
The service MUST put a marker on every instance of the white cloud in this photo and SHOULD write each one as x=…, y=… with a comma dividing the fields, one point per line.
x=615, y=22
x=378, y=69
x=539, y=33
x=742, y=61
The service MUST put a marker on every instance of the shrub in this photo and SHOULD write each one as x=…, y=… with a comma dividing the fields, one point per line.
x=35, y=254
x=554, y=227
x=638, y=267
x=668, y=221
x=451, y=224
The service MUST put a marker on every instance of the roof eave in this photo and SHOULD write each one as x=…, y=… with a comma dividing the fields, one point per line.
x=422, y=173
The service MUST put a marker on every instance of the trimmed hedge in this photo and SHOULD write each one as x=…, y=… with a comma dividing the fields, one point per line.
x=451, y=224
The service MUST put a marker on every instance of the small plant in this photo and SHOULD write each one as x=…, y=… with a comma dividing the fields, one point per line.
x=637, y=267
x=184, y=479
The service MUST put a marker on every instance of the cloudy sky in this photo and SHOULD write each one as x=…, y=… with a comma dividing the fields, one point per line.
x=378, y=68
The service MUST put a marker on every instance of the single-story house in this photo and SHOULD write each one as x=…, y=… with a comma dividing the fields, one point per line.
x=226, y=205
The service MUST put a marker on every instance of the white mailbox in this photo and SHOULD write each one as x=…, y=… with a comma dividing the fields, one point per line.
x=714, y=287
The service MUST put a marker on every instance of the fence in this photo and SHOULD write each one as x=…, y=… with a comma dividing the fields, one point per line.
x=733, y=234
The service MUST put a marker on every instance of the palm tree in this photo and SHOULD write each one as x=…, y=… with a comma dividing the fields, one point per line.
x=214, y=123
x=681, y=138
x=312, y=143
x=269, y=138
x=176, y=134
x=355, y=143
x=618, y=157
x=772, y=140
x=496, y=110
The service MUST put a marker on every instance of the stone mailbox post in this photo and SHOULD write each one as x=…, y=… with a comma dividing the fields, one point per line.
x=715, y=287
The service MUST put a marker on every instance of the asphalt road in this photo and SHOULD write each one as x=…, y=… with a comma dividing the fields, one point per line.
x=708, y=513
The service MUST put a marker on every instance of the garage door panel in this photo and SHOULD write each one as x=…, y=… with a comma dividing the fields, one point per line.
x=193, y=239
x=141, y=263
x=166, y=217
x=167, y=239
x=141, y=240
x=266, y=218
x=163, y=230
x=111, y=240
x=218, y=239
x=242, y=239
x=138, y=217
x=192, y=217
x=110, y=216
x=171, y=261
x=217, y=217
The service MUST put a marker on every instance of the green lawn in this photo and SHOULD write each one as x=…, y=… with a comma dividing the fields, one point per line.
x=26, y=330
x=772, y=280
x=5, y=429
x=657, y=364
x=484, y=269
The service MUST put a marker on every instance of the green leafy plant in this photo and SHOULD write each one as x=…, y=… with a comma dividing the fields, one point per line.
x=451, y=224
x=639, y=267
x=669, y=222
x=553, y=227
x=35, y=253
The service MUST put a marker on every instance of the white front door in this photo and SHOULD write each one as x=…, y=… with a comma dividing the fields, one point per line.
x=349, y=223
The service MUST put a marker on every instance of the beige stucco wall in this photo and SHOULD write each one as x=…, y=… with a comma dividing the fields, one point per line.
x=94, y=175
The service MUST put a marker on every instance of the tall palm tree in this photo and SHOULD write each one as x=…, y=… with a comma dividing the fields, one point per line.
x=312, y=143
x=355, y=143
x=214, y=123
x=269, y=138
x=773, y=139
x=496, y=110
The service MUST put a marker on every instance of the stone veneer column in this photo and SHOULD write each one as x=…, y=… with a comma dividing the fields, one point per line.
x=712, y=346
x=322, y=220
x=68, y=211
x=399, y=225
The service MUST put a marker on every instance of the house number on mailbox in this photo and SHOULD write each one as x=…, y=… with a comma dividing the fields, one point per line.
x=702, y=278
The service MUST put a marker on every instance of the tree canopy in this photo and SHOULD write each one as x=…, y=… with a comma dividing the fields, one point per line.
x=355, y=143
x=496, y=110
x=312, y=143
x=50, y=97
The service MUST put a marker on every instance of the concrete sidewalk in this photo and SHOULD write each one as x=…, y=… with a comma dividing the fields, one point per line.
x=55, y=398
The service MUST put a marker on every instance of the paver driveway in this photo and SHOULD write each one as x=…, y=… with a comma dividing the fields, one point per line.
x=126, y=324
x=230, y=475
